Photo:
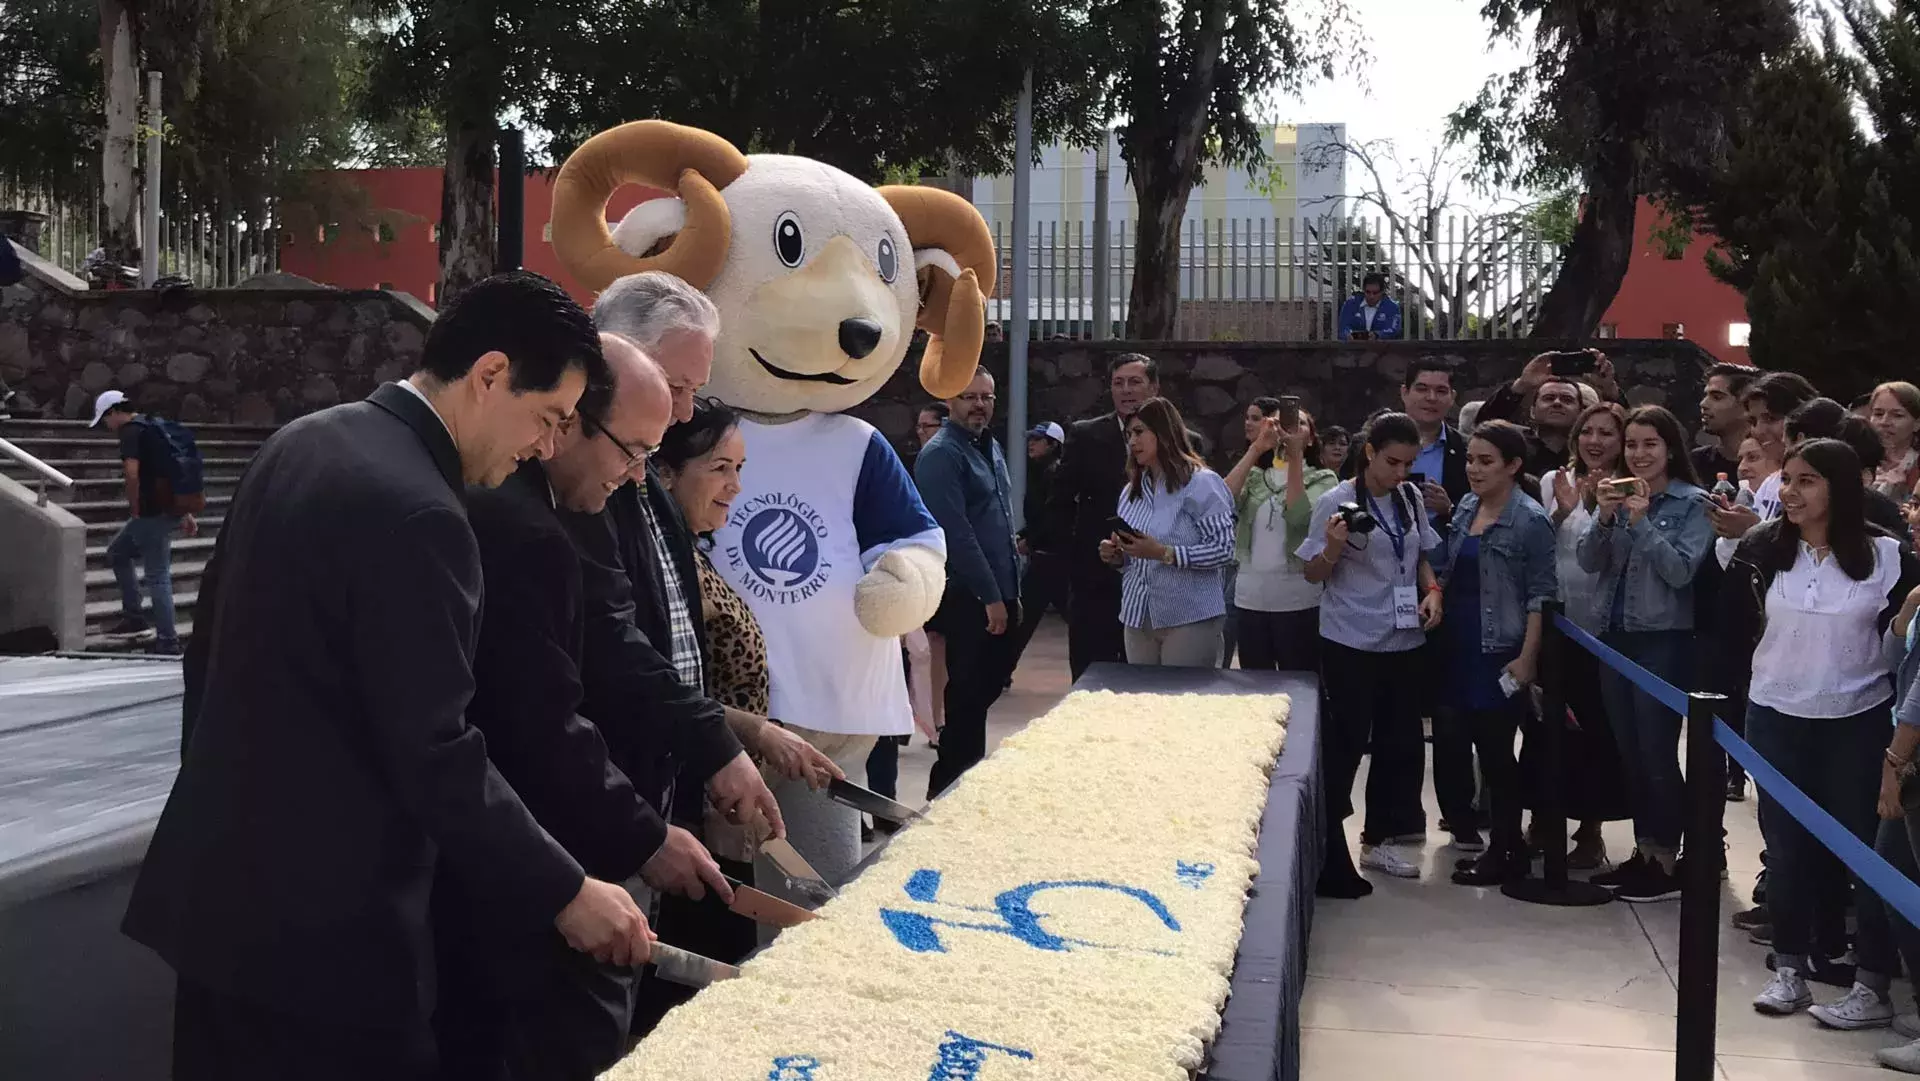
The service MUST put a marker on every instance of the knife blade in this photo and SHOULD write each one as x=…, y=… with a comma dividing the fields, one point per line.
x=765, y=908
x=800, y=875
x=688, y=969
x=870, y=802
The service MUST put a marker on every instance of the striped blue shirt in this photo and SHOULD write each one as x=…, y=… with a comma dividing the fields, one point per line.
x=1196, y=522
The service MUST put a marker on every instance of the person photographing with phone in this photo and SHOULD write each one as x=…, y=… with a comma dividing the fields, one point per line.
x=1646, y=542
x=1367, y=543
x=1172, y=538
x=1274, y=490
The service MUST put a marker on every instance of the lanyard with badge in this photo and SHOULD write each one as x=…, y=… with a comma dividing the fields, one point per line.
x=1406, y=598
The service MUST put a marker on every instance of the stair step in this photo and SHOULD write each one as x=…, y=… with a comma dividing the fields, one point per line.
x=97, y=553
x=207, y=465
x=100, y=611
x=41, y=447
x=101, y=643
x=103, y=576
x=53, y=424
x=110, y=528
x=91, y=506
x=224, y=480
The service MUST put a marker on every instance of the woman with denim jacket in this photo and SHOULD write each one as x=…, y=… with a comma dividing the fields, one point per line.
x=1648, y=537
x=1884, y=931
x=1276, y=609
x=1496, y=571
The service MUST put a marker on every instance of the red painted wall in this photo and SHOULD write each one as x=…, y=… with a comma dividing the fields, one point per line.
x=1659, y=291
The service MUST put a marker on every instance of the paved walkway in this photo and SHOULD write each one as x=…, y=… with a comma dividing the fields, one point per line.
x=1443, y=982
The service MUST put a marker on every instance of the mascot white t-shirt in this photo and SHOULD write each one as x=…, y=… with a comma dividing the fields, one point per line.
x=786, y=548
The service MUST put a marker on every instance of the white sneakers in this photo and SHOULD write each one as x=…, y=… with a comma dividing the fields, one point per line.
x=1785, y=994
x=1387, y=860
x=1862, y=1008
x=1904, y=1058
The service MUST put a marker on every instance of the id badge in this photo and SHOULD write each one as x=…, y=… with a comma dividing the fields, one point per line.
x=1406, y=608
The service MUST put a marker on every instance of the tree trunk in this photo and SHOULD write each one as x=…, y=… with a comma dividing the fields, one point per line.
x=466, y=200
x=1153, y=304
x=1596, y=261
x=120, y=64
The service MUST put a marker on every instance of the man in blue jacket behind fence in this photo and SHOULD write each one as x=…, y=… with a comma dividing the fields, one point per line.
x=1371, y=313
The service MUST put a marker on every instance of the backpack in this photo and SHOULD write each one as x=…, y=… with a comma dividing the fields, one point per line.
x=180, y=488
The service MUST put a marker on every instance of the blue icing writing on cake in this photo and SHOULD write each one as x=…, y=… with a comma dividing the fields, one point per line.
x=961, y=1057
x=917, y=931
x=793, y=1068
x=1192, y=875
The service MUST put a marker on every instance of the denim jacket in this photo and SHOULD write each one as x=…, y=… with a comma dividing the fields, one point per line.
x=1659, y=557
x=1517, y=574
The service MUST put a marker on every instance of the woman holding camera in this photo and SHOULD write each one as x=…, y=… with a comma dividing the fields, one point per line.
x=1367, y=543
x=1173, y=539
x=1497, y=571
x=1821, y=585
x=1276, y=608
x=1646, y=542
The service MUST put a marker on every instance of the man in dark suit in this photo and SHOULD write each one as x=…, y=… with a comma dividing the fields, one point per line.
x=1086, y=490
x=330, y=773
x=517, y=1004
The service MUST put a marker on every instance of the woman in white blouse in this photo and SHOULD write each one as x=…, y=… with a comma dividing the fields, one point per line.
x=1824, y=584
x=1593, y=789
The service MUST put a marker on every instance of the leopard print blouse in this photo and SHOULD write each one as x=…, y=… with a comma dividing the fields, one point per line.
x=736, y=650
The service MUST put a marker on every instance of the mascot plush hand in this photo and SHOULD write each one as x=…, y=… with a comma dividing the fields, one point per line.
x=820, y=280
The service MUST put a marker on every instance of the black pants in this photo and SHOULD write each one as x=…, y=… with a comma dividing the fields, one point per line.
x=218, y=1037
x=978, y=664
x=1093, y=622
x=1279, y=641
x=1493, y=735
x=1046, y=585
x=1373, y=701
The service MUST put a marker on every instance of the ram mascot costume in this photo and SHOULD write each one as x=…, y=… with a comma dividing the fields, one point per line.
x=820, y=280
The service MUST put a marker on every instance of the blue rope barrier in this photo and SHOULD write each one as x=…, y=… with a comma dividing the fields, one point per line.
x=1896, y=889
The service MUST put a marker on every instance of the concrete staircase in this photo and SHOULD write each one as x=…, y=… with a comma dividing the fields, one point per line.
x=98, y=498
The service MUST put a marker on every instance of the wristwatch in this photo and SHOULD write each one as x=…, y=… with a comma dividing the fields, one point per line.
x=1166, y=556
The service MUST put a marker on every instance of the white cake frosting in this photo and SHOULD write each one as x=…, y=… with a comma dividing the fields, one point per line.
x=1068, y=912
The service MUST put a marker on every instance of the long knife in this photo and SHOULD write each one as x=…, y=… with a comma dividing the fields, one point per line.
x=688, y=969
x=800, y=875
x=765, y=908
x=871, y=802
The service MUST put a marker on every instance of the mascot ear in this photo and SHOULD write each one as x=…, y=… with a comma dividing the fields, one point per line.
x=691, y=163
x=954, y=260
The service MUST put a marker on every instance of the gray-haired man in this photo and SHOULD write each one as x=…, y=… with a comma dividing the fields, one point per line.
x=674, y=322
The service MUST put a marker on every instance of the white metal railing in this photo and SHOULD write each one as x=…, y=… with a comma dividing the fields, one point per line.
x=1284, y=279
x=44, y=474
x=210, y=249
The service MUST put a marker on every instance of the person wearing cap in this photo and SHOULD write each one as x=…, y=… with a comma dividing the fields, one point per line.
x=963, y=480
x=1043, y=540
x=148, y=534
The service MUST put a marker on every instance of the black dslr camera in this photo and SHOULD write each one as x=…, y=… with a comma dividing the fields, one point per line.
x=1359, y=522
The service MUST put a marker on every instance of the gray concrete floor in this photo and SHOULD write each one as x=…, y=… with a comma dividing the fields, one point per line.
x=1439, y=981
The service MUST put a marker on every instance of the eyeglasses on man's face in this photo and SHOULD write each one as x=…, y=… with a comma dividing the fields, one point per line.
x=635, y=458
x=977, y=399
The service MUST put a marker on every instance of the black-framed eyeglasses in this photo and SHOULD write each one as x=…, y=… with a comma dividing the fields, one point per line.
x=635, y=459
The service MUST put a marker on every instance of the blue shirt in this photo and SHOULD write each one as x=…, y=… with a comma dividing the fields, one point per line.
x=1432, y=462
x=963, y=480
x=1196, y=522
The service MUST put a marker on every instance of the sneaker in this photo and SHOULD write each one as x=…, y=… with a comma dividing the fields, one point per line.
x=129, y=625
x=1908, y=1025
x=1651, y=884
x=1388, y=861
x=1748, y=919
x=1905, y=1058
x=1623, y=873
x=1589, y=852
x=1785, y=994
x=1862, y=1008
x=1736, y=790
x=162, y=648
x=1761, y=934
x=1412, y=840
x=1469, y=842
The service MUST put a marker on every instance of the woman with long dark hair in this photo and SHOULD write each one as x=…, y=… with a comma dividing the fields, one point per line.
x=1646, y=542
x=1368, y=542
x=1497, y=572
x=1178, y=541
x=1823, y=585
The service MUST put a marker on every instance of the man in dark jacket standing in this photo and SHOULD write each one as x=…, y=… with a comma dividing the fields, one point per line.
x=330, y=772
x=1043, y=539
x=962, y=477
x=1086, y=492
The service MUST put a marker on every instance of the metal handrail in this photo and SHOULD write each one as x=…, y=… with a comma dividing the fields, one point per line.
x=46, y=473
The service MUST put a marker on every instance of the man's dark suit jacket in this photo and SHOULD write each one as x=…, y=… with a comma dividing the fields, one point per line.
x=656, y=726
x=1085, y=493
x=331, y=770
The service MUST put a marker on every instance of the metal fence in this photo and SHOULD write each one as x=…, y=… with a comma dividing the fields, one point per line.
x=209, y=248
x=1268, y=279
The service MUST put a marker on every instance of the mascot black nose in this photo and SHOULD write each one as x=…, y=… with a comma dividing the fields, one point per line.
x=858, y=337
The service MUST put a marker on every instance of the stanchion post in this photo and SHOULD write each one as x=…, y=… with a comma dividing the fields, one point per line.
x=1551, y=815
x=1699, y=989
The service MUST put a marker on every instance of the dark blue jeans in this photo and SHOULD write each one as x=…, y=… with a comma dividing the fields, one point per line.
x=150, y=540
x=1648, y=732
x=1836, y=762
x=1885, y=933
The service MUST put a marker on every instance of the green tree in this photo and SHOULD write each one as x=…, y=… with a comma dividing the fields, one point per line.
x=49, y=95
x=1622, y=99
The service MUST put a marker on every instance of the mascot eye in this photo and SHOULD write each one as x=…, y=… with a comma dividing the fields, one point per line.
x=788, y=244
x=889, y=266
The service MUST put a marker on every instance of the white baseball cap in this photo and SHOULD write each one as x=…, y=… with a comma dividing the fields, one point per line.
x=1051, y=430
x=107, y=400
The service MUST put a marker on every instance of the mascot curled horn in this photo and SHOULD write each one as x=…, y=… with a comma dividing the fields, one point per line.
x=820, y=280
